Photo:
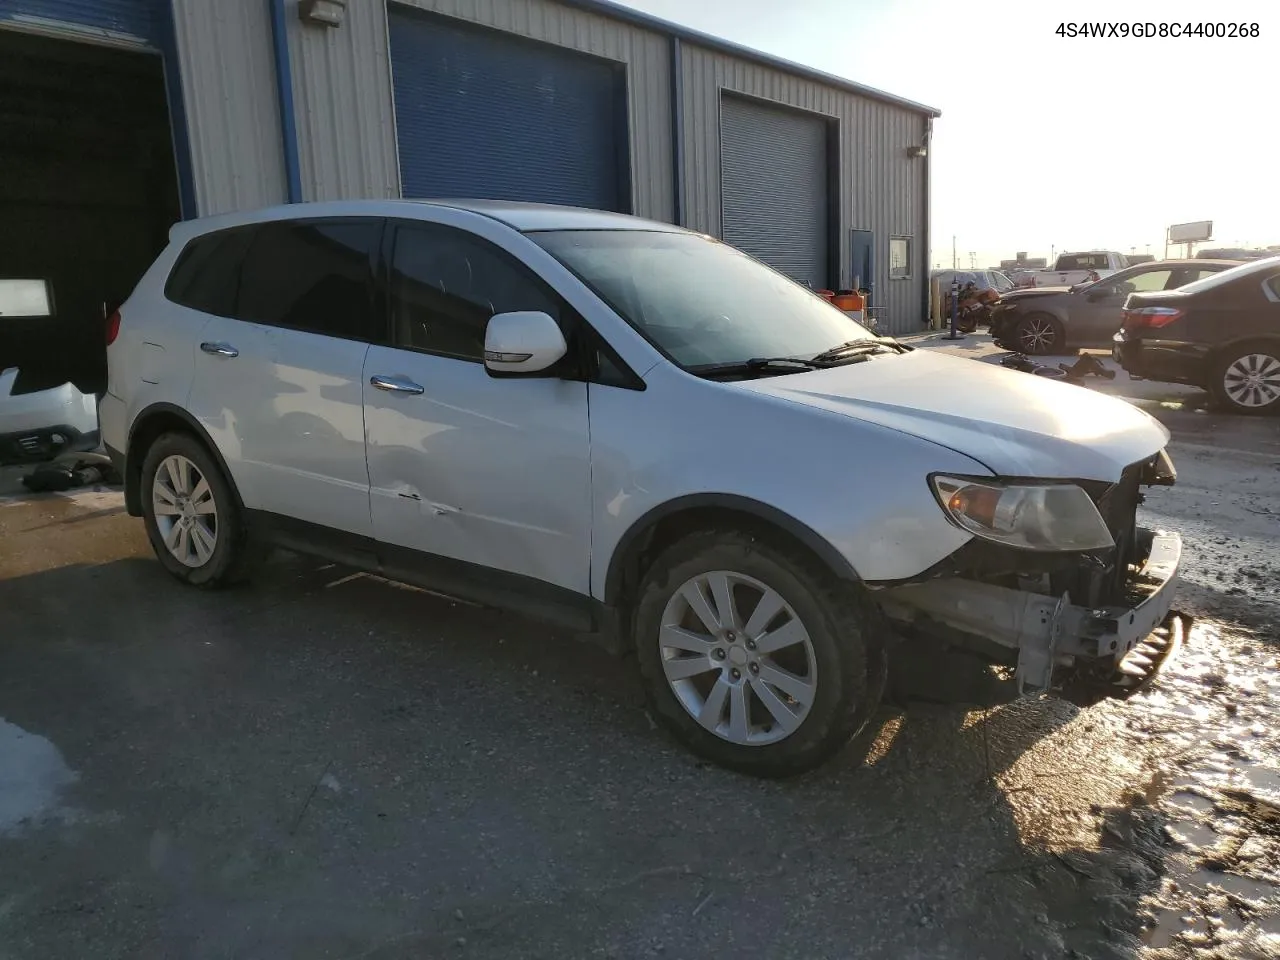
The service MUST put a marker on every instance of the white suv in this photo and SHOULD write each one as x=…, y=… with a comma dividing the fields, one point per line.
x=639, y=432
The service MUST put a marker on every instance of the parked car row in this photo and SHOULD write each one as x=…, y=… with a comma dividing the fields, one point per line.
x=1052, y=320
x=1220, y=333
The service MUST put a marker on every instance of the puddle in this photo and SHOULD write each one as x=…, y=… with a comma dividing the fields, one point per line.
x=1194, y=834
x=1170, y=923
x=1242, y=887
x=1185, y=798
x=1264, y=779
x=32, y=773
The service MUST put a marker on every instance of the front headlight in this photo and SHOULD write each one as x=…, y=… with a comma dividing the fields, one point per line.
x=1049, y=516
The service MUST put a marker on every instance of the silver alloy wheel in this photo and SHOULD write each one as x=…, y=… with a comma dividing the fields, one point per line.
x=738, y=658
x=1253, y=380
x=1037, y=335
x=186, y=514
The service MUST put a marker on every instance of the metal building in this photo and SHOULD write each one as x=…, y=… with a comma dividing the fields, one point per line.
x=118, y=116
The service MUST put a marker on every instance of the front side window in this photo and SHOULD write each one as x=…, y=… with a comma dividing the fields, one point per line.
x=700, y=301
x=314, y=276
x=899, y=258
x=447, y=283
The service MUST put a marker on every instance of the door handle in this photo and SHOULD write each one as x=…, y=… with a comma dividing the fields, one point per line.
x=220, y=349
x=397, y=385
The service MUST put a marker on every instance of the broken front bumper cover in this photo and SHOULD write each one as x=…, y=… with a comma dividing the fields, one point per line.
x=1051, y=633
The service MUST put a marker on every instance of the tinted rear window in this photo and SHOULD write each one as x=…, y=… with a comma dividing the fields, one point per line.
x=314, y=276
x=207, y=274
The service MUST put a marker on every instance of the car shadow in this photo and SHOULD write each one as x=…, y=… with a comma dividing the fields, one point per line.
x=327, y=762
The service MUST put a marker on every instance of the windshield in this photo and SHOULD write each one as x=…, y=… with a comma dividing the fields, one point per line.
x=700, y=301
x=1226, y=276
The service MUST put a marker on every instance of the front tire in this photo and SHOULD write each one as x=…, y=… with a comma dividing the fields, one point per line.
x=192, y=515
x=1039, y=334
x=755, y=656
x=1247, y=379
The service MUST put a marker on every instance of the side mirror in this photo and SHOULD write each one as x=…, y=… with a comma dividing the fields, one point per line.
x=1102, y=293
x=523, y=343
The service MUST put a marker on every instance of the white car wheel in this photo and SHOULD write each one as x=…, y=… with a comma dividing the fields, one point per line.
x=185, y=511
x=738, y=658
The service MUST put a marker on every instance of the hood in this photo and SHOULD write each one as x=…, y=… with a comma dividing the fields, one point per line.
x=1016, y=424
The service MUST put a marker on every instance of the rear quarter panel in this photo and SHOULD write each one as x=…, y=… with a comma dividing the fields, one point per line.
x=152, y=359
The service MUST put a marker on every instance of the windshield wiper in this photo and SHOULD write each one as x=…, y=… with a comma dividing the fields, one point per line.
x=757, y=365
x=858, y=349
x=854, y=351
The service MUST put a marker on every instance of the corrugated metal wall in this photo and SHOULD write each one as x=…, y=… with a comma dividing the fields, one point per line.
x=881, y=188
x=647, y=55
x=347, y=137
x=342, y=102
x=229, y=89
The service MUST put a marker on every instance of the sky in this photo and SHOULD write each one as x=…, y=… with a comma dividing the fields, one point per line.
x=1049, y=143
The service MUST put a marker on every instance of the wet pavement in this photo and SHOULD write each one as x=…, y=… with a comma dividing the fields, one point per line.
x=328, y=765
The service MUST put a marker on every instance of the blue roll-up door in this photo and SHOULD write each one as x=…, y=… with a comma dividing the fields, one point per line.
x=774, y=187
x=123, y=19
x=481, y=113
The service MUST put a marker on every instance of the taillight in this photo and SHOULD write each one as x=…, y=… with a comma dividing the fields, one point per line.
x=113, y=327
x=1147, y=318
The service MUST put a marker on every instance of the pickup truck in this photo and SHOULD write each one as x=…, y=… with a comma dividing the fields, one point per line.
x=1073, y=268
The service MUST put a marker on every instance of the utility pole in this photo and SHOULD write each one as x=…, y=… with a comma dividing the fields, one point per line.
x=953, y=251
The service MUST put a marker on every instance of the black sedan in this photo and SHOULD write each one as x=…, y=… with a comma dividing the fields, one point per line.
x=1044, y=320
x=1221, y=333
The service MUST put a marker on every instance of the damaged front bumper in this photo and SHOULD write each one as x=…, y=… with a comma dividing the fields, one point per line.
x=1056, y=641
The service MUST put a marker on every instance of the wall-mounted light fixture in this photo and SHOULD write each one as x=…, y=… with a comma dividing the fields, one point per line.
x=917, y=152
x=324, y=13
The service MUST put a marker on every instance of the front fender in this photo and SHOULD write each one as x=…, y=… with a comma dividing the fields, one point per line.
x=857, y=492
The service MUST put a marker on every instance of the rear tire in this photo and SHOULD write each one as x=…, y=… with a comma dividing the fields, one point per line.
x=1039, y=334
x=793, y=672
x=1246, y=379
x=193, y=517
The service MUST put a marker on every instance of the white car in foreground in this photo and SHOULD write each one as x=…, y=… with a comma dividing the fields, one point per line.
x=41, y=424
x=40, y=419
x=636, y=431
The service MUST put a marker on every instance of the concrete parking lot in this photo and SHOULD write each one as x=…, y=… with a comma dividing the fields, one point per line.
x=328, y=765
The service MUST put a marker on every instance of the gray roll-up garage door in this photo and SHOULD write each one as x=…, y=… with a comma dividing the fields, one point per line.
x=774, y=193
